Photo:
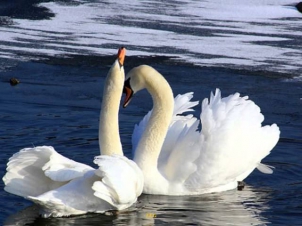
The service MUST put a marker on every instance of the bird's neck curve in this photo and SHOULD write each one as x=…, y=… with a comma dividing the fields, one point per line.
x=109, y=138
x=149, y=146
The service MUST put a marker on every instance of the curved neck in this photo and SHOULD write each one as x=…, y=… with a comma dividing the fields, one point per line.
x=149, y=147
x=109, y=138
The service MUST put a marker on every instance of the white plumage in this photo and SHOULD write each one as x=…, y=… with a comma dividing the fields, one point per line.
x=231, y=144
x=34, y=171
x=63, y=187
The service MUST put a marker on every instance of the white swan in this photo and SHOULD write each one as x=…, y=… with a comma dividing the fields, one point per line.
x=63, y=187
x=177, y=159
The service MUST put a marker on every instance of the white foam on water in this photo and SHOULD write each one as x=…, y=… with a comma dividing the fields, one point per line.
x=239, y=33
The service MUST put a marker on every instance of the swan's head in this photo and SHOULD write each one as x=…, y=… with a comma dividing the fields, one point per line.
x=136, y=80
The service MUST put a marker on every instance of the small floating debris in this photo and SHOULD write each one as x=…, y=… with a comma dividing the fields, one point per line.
x=240, y=185
x=14, y=81
x=299, y=7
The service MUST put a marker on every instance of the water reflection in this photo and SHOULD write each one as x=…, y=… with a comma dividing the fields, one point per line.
x=232, y=207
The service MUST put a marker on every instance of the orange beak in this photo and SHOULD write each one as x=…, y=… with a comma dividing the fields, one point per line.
x=121, y=55
x=129, y=93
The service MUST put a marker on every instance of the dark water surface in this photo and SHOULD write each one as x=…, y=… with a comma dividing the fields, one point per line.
x=62, y=70
x=59, y=106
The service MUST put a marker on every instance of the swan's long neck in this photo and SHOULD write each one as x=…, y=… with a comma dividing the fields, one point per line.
x=109, y=138
x=149, y=147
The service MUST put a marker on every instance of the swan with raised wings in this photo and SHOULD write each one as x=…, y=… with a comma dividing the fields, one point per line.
x=178, y=159
x=63, y=187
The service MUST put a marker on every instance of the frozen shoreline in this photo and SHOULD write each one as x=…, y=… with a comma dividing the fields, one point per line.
x=248, y=35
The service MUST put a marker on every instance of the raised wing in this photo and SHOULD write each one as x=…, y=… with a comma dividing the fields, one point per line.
x=34, y=171
x=115, y=185
x=233, y=141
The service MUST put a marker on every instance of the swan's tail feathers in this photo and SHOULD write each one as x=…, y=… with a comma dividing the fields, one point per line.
x=233, y=140
x=31, y=171
x=121, y=180
x=270, y=136
x=265, y=168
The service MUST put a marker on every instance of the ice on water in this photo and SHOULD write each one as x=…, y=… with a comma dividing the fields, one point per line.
x=247, y=33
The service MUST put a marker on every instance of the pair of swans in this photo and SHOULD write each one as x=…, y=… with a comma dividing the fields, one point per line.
x=174, y=157
x=63, y=187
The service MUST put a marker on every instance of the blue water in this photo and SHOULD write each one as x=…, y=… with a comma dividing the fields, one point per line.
x=57, y=103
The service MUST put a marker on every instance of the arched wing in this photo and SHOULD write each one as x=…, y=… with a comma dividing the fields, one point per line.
x=33, y=171
x=233, y=141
